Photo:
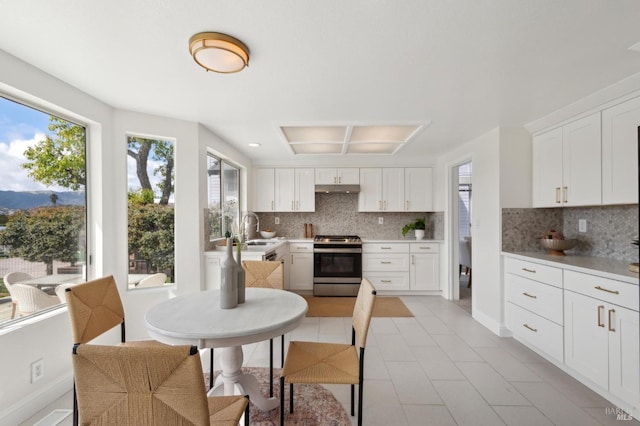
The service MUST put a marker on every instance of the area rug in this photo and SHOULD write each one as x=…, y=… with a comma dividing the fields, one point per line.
x=313, y=404
x=343, y=307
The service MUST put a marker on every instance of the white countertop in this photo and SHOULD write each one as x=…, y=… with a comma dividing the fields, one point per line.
x=604, y=267
x=406, y=240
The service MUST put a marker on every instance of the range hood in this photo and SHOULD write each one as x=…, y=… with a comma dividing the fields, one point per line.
x=345, y=189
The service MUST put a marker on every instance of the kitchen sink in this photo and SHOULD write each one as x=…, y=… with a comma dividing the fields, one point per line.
x=257, y=243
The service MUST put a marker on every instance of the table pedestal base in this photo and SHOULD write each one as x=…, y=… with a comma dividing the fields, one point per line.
x=233, y=378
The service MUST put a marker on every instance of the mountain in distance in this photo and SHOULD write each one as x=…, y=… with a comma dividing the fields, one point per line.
x=23, y=200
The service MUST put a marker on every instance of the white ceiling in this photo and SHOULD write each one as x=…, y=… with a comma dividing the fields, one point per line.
x=464, y=66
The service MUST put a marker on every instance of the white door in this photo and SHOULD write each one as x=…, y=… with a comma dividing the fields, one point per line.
x=325, y=176
x=285, y=190
x=305, y=191
x=424, y=271
x=393, y=189
x=264, y=200
x=620, y=153
x=370, y=197
x=624, y=364
x=581, y=162
x=418, y=189
x=547, y=169
x=585, y=337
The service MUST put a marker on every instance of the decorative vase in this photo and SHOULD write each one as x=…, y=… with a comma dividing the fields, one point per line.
x=229, y=279
x=419, y=234
x=241, y=277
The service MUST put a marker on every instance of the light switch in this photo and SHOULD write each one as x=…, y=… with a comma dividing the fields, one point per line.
x=277, y=221
x=381, y=221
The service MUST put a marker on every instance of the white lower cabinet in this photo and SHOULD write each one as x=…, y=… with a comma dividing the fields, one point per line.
x=301, y=266
x=601, y=339
x=425, y=266
x=585, y=321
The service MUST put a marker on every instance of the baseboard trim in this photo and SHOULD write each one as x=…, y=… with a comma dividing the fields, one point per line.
x=494, y=326
x=36, y=401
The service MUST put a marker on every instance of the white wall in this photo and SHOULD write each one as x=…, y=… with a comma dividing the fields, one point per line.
x=501, y=166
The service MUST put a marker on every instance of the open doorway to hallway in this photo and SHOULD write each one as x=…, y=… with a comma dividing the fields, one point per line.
x=464, y=207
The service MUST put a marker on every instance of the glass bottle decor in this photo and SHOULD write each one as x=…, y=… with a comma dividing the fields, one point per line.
x=241, y=275
x=228, y=279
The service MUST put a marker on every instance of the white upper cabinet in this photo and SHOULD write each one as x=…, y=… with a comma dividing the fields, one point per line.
x=284, y=190
x=567, y=165
x=264, y=190
x=418, y=189
x=620, y=134
x=338, y=176
x=295, y=190
x=381, y=190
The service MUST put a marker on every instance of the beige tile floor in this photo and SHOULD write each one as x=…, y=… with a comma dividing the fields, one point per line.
x=443, y=368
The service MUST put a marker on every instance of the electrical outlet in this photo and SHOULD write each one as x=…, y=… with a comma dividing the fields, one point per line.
x=582, y=225
x=381, y=221
x=37, y=370
x=277, y=221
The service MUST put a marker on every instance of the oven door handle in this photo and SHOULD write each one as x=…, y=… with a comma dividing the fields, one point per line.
x=337, y=250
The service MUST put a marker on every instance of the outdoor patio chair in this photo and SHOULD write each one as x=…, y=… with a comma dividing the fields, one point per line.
x=154, y=280
x=30, y=299
x=332, y=363
x=10, y=279
x=266, y=274
x=162, y=385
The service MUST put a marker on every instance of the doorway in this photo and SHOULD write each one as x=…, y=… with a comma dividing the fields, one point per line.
x=464, y=209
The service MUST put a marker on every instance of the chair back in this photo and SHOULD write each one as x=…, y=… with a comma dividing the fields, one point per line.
x=94, y=308
x=31, y=299
x=264, y=273
x=130, y=385
x=153, y=280
x=14, y=277
x=362, y=311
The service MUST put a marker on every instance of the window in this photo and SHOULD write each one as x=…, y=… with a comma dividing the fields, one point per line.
x=150, y=175
x=223, y=189
x=43, y=208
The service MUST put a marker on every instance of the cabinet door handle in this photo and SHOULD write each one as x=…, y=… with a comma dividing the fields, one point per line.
x=272, y=206
x=298, y=205
x=292, y=259
x=413, y=259
x=564, y=194
x=384, y=205
x=334, y=179
x=379, y=204
x=530, y=295
x=385, y=281
x=406, y=205
x=292, y=205
x=558, y=194
x=600, y=323
x=533, y=271
x=339, y=179
x=525, y=325
x=611, y=311
x=607, y=290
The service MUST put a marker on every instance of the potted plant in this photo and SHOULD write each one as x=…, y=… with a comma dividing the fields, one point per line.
x=419, y=225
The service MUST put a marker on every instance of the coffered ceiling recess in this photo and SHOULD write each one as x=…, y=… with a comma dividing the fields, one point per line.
x=349, y=139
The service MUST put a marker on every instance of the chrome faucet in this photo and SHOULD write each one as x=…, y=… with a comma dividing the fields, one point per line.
x=244, y=218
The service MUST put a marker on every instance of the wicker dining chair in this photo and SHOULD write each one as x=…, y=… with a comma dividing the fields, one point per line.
x=95, y=307
x=266, y=274
x=161, y=385
x=10, y=279
x=332, y=363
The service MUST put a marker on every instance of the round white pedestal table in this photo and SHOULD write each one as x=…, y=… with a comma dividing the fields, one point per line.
x=196, y=319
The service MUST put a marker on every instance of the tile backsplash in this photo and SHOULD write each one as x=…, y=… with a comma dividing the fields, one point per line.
x=338, y=214
x=610, y=229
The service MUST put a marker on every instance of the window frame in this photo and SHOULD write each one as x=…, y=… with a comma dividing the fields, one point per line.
x=238, y=211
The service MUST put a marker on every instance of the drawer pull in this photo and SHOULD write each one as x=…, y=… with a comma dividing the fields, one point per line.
x=385, y=263
x=600, y=323
x=385, y=248
x=385, y=281
x=606, y=289
x=530, y=328
x=425, y=248
x=611, y=311
x=533, y=271
x=530, y=295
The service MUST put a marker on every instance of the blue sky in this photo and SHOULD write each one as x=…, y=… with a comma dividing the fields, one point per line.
x=21, y=127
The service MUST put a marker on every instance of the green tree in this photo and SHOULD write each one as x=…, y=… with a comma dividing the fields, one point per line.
x=140, y=150
x=45, y=234
x=59, y=160
x=151, y=234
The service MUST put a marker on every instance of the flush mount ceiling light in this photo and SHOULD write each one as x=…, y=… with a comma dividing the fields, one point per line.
x=219, y=52
x=349, y=139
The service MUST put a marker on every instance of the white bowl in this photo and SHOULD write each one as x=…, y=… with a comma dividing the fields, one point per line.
x=267, y=234
x=557, y=247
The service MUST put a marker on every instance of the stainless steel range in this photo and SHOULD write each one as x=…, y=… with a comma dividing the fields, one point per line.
x=337, y=265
